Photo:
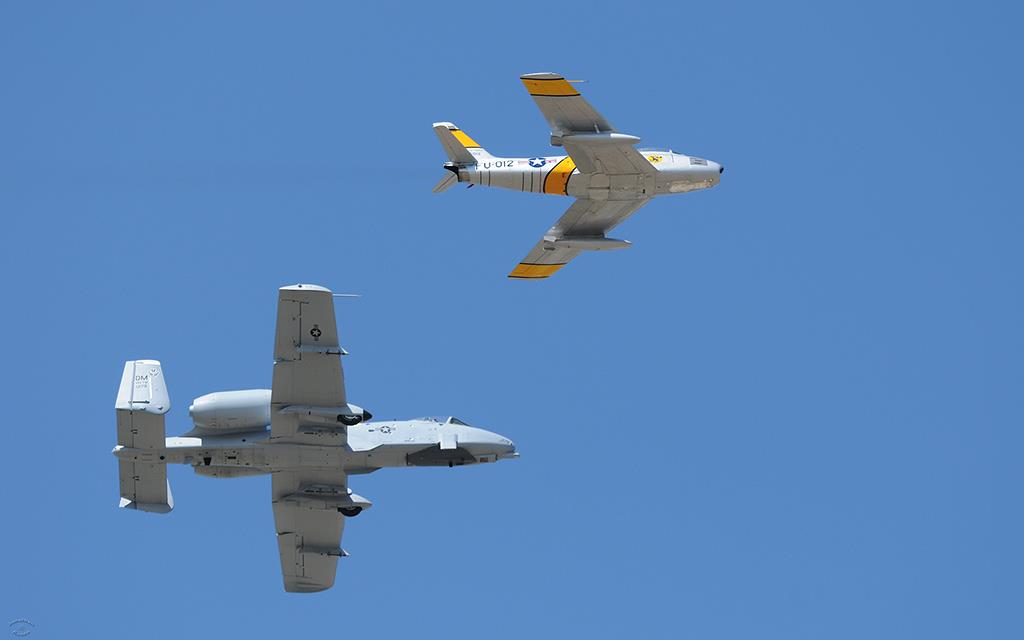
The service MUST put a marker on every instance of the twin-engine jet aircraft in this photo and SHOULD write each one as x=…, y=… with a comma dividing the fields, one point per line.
x=315, y=441
x=610, y=178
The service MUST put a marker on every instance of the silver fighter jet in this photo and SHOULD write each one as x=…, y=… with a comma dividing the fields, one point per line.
x=315, y=440
x=609, y=177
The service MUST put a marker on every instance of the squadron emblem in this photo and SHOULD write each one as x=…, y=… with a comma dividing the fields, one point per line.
x=315, y=332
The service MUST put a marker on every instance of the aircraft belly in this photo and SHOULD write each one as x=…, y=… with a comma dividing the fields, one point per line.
x=578, y=186
x=246, y=455
x=276, y=457
x=509, y=179
x=383, y=456
x=515, y=179
x=684, y=179
x=527, y=179
x=601, y=186
x=536, y=180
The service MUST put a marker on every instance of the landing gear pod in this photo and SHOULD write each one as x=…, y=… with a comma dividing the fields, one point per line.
x=329, y=497
x=349, y=415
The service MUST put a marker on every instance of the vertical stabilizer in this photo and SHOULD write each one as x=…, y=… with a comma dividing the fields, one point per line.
x=458, y=146
x=142, y=401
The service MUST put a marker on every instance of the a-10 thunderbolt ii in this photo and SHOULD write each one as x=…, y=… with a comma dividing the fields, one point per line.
x=609, y=177
x=316, y=439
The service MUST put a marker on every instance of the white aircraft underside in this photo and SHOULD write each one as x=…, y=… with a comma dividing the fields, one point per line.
x=604, y=170
x=315, y=440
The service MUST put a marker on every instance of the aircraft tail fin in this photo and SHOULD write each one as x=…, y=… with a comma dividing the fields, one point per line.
x=461, y=149
x=142, y=401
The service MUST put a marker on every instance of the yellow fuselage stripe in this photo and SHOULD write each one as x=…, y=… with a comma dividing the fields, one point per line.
x=557, y=180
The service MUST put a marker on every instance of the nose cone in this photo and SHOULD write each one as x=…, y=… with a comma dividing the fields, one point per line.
x=715, y=171
x=483, y=444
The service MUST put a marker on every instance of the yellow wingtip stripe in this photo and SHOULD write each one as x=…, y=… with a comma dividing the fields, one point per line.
x=527, y=270
x=549, y=87
x=464, y=139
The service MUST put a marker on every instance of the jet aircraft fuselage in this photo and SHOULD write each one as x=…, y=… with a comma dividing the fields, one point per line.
x=603, y=170
x=371, y=446
x=558, y=175
x=316, y=439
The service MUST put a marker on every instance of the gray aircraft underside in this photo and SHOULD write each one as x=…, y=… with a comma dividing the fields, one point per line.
x=315, y=440
x=422, y=442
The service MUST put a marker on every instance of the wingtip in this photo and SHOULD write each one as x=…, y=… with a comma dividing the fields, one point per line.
x=305, y=287
x=530, y=271
x=548, y=85
x=543, y=75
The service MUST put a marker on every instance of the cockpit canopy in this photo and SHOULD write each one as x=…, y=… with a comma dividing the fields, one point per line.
x=448, y=420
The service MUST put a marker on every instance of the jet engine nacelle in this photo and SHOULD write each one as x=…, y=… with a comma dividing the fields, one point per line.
x=230, y=411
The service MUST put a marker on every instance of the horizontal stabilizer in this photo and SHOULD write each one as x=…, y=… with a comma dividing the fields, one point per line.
x=446, y=183
x=144, y=487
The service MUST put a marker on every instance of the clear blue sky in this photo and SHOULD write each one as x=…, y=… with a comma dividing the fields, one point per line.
x=791, y=410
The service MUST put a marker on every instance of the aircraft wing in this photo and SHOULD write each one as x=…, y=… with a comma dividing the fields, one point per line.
x=594, y=145
x=581, y=228
x=308, y=379
x=307, y=397
x=308, y=527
